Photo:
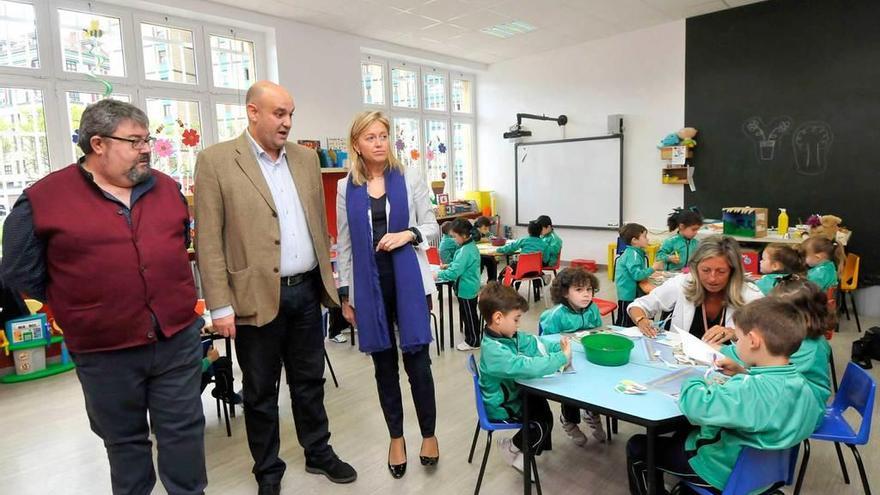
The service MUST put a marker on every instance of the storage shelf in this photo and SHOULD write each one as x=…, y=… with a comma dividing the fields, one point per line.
x=334, y=170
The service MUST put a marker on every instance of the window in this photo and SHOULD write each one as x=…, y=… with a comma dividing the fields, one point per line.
x=373, y=83
x=231, y=120
x=169, y=54
x=404, y=88
x=178, y=137
x=91, y=43
x=432, y=118
x=232, y=61
x=435, y=91
x=18, y=36
x=77, y=101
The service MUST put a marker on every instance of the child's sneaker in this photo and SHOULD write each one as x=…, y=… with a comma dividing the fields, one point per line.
x=574, y=432
x=512, y=455
x=463, y=346
x=595, y=422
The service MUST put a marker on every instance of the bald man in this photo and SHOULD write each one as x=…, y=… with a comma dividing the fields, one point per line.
x=264, y=257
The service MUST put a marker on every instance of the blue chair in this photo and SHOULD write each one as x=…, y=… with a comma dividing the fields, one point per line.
x=857, y=390
x=483, y=422
x=756, y=469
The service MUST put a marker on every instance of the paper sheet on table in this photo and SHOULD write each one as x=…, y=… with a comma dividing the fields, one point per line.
x=695, y=348
x=632, y=332
x=670, y=384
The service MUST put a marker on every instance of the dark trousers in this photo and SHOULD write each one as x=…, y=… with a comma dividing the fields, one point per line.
x=670, y=458
x=540, y=426
x=623, y=319
x=467, y=313
x=418, y=368
x=295, y=340
x=490, y=264
x=571, y=414
x=161, y=379
x=337, y=322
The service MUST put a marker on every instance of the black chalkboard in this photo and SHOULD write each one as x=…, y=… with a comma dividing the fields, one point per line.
x=786, y=95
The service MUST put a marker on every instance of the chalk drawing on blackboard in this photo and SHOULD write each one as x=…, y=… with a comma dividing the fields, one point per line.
x=766, y=141
x=812, y=147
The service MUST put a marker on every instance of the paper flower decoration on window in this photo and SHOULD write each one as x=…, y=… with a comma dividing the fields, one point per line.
x=429, y=155
x=441, y=148
x=163, y=148
x=75, y=137
x=191, y=137
x=399, y=144
x=414, y=154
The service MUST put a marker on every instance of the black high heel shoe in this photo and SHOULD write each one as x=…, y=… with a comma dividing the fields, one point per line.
x=430, y=461
x=397, y=470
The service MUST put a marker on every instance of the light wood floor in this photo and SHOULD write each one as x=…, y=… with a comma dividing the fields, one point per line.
x=46, y=445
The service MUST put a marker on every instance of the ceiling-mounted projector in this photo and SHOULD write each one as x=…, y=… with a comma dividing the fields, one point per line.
x=516, y=132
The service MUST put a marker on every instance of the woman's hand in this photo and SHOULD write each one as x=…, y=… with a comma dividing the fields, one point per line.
x=729, y=367
x=718, y=335
x=348, y=313
x=646, y=326
x=390, y=242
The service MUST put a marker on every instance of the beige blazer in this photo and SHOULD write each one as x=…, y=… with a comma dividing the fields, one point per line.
x=421, y=216
x=237, y=240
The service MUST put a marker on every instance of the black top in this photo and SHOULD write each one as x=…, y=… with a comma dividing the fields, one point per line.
x=698, y=329
x=380, y=228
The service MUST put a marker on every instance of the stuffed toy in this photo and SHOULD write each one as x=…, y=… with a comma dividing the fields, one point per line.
x=684, y=137
x=825, y=226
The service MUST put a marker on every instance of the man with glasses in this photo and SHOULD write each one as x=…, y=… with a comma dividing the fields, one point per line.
x=103, y=243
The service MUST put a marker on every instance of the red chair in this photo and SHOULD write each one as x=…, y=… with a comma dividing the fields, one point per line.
x=529, y=268
x=555, y=267
x=588, y=265
x=606, y=307
x=433, y=256
x=507, y=276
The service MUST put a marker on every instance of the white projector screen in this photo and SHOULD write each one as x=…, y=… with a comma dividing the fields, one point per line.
x=577, y=182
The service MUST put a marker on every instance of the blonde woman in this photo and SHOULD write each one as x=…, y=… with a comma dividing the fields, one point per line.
x=704, y=300
x=384, y=222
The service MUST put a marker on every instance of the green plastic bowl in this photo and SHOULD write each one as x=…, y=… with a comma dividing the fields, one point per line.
x=606, y=349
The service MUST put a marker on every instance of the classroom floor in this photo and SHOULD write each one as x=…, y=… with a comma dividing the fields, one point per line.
x=46, y=445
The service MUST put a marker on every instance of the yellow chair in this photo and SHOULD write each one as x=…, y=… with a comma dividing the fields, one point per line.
x=849, y=282
x=651, y=251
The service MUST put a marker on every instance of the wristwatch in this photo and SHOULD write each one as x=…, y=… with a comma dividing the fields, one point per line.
x=417, y=234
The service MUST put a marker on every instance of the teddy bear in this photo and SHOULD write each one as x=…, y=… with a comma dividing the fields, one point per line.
x=684, y=137
x=825, y=226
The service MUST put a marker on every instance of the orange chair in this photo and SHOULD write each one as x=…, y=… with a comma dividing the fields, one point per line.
x=433, y=256
x=528, y=268
x=606, y=307
x=849, y=282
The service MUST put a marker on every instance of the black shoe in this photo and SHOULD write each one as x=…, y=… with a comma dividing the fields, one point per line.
x=430, y=461
x=269, y=489
x=336, y=470
x=397, y=470
x=231, y=398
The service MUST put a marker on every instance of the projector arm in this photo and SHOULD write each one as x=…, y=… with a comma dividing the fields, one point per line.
x=561, y=120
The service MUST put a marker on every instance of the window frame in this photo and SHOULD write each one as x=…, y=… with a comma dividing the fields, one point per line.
x=201, y=84
x=386, y=74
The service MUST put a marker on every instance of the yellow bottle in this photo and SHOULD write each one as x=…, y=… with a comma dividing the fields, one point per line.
x=782, y=223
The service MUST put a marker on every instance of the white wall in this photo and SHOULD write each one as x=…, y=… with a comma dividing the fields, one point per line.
x=638, y=74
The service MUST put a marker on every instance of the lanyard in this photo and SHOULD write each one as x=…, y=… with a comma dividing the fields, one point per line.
x=706, y=321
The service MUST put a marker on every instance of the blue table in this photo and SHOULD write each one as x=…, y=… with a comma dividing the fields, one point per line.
x=592, y=387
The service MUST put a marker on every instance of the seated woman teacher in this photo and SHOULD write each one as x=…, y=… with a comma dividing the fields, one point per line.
x=704, y=300
x=384, y=222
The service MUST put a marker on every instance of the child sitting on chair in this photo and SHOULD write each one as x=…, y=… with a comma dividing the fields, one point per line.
x=770, y=407
x=481, y=228
x=551, y=239
x=825, y=258
x=572, y=292
x=465, y=272
x=507, y=355
x=528, y=245
x=630, y=269
x=777, y=261
x=448, y=247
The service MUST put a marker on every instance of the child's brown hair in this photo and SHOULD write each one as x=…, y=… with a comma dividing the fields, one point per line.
x=446, y=227
x=810, y=300
x=495, y=297
x=779, y=322
x=791, y=259
x=832, y=249
x=631, y=231
x=575, y=276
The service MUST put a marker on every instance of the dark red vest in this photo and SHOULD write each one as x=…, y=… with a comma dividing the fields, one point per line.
x=106, y=278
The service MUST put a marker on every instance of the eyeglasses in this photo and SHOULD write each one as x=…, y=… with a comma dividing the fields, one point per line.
x=135, y=142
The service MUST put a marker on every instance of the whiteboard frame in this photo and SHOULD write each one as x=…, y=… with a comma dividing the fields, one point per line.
x=592, y=138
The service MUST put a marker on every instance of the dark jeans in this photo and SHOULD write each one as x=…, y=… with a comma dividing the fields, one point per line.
x=161, y=379
x=295, y=340
x=540, y=426
x=670, y=458
x=467, y=313
x=418, y=368
x=490, y=264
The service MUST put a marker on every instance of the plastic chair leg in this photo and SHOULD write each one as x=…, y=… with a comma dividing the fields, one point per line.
x=852, y=299
x=865, y=485
x=436, y=336
x=483, y=465
x=226, y=418
x=218, y=407
x=843, y=303
x=833, y=370
x=803, y=470
x=842, y=463
x=535, y=473
x=332, y=373
x=474, y=443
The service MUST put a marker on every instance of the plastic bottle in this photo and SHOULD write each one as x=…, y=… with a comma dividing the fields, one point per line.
x=782, y=223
